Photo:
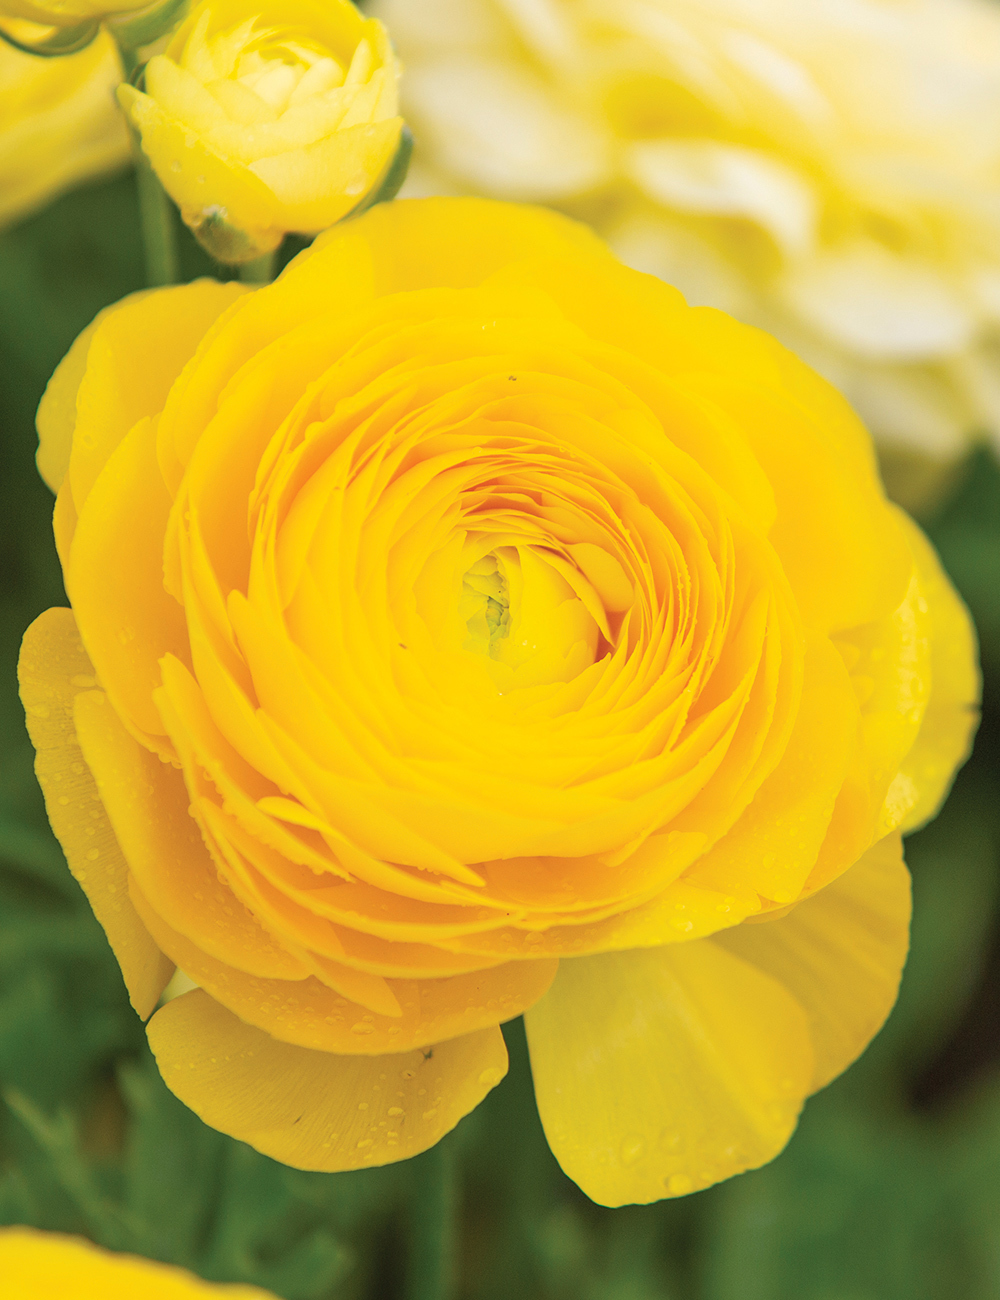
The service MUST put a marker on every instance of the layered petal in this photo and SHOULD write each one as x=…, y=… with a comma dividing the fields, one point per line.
x=53, y=670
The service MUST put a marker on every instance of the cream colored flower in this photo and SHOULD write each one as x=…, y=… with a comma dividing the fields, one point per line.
x=828, y=169
x=59, y=124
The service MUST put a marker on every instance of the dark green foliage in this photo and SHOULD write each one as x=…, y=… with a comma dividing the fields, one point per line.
x=891, y=1187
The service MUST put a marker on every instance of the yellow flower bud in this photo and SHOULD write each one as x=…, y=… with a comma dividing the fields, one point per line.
x=264, y=120
x=60, y=124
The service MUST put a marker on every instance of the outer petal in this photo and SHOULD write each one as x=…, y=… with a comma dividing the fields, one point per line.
x=952, y=712
x=119, y=370
x=53, y=669
x=314, y=1110
x=410, y=249
x=148, y=806
x=840, y=953
x=48, y=1266
x=130, y=623
x=661, y=1071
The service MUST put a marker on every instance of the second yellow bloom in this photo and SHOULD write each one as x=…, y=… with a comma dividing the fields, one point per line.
x=262, y=123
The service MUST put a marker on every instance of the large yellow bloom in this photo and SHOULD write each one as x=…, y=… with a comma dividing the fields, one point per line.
x=270, y=117
x=461, y=607
x=48, y=1266
x=59, y=124
x=827, y=169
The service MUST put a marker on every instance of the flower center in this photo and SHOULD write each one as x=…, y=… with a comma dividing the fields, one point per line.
x=485, y=605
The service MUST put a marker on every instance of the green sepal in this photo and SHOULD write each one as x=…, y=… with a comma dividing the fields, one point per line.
x=134, y=30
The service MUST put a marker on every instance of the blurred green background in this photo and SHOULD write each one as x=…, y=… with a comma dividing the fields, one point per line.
x=890, y=1188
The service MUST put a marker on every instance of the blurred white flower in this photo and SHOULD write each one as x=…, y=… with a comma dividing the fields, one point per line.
x=827, y=169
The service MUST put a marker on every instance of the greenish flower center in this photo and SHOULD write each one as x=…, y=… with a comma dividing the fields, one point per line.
x=486, y=605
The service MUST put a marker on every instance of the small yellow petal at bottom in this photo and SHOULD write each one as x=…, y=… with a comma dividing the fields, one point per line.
x=840, y=954
x=661, y=1071
x=316, y=1110
x=49, y=1266
x=53, y=670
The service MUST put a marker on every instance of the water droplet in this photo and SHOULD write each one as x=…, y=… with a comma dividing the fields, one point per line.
x=93, y=855
x=394, y=1110
x=362, y=1105
x=362, y=1028
x=679, y=1184
x=429, y=1114
x=490, y=1077
x=631, y=1149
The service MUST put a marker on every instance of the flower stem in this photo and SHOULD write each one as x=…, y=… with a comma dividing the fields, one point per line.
x=260, y=270
x=431, y=1262
x=156, y=217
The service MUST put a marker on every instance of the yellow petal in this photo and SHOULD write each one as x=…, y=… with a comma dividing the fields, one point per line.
x=319, y=184
x=775, y=843
x=127, y=625
x=148, y=805
x=662, y=1071
x=314, y=1110
x=137, y=349
x=53, y=669
x=56, y=417
x=409, y=253
x=48, y=1266
x=949, y=723
x=310, y=1014
x=840, y=953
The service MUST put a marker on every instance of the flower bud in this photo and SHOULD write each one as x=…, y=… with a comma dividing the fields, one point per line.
x=264, y=120
x=60, y=124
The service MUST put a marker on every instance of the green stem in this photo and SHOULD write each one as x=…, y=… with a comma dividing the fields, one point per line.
x=260, y=270
x=156, y=216
x=431, y=1262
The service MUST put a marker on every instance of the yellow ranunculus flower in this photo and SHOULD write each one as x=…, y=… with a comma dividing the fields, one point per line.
x=48, y=1266
x=270, y=117
x=463, y=606
x=827, y=170
x=59, y=124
